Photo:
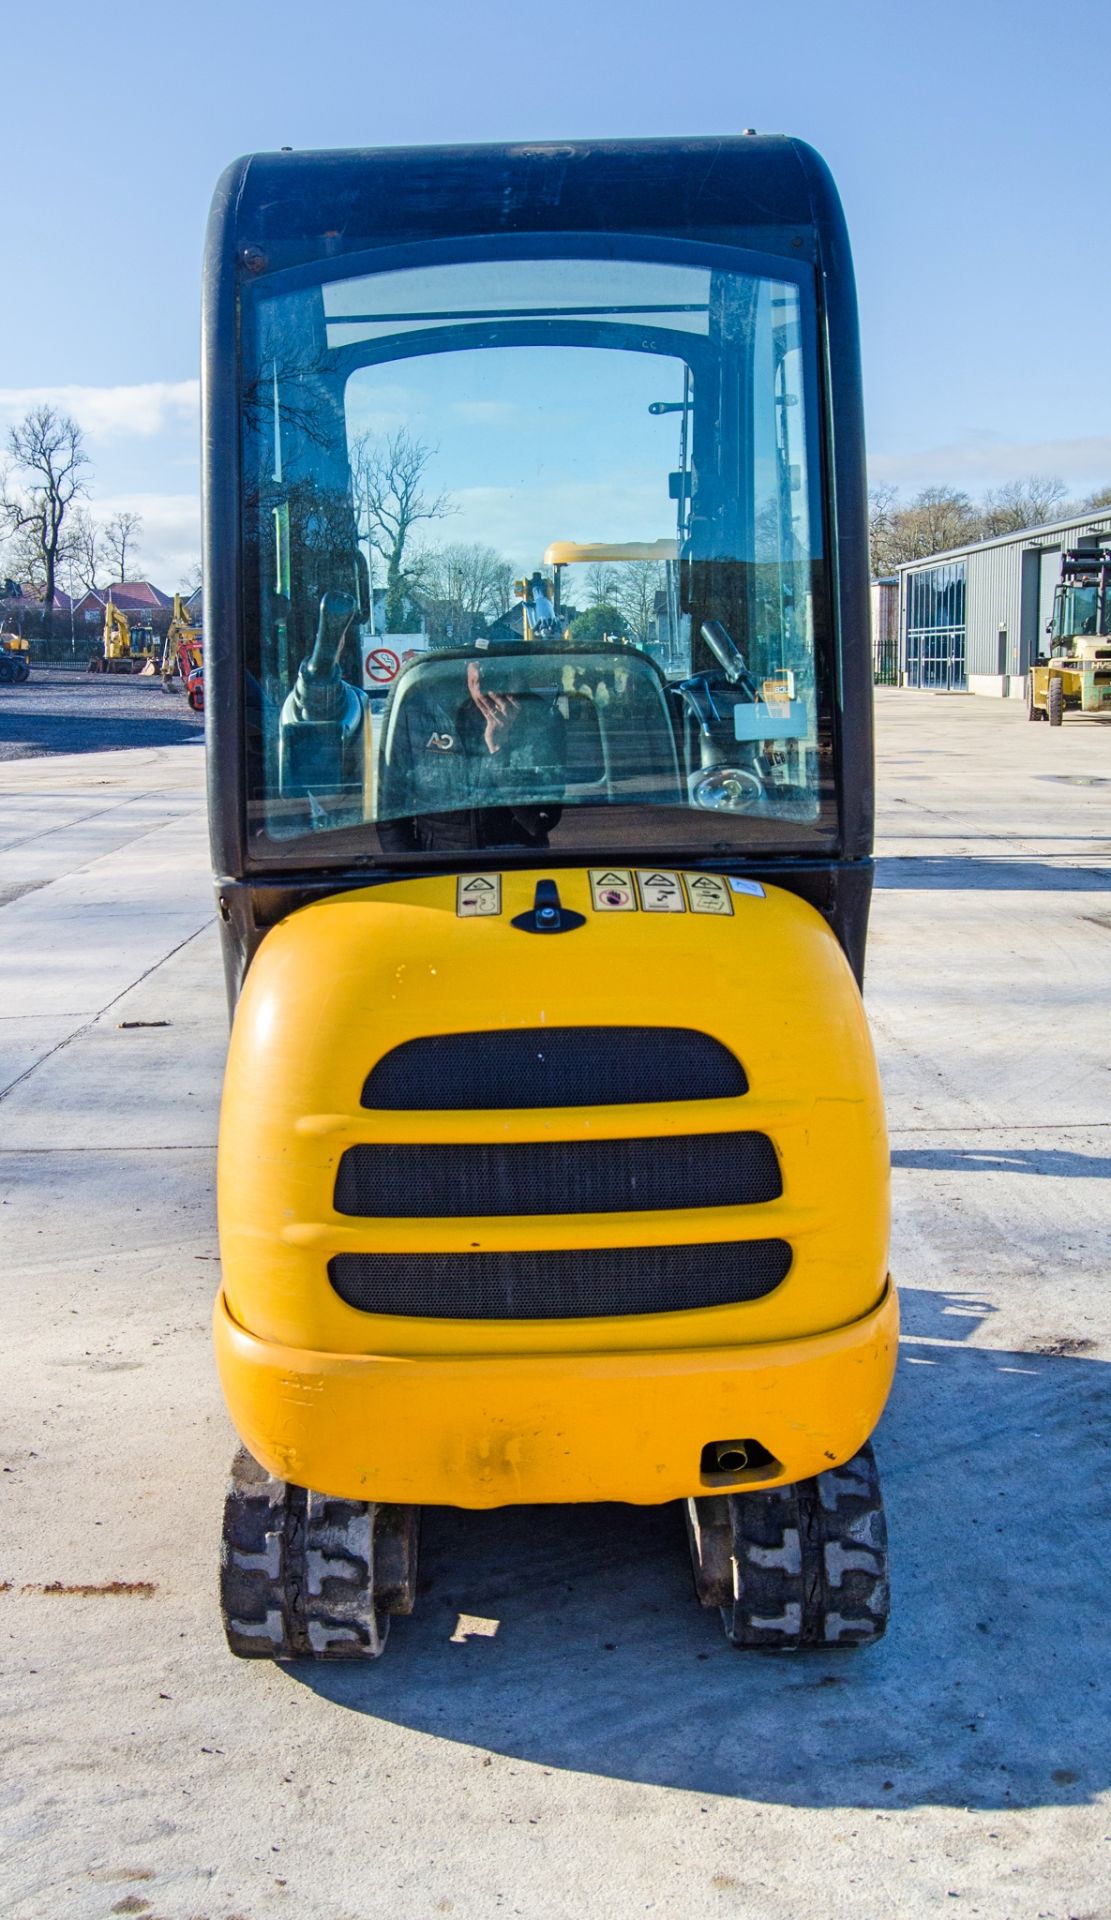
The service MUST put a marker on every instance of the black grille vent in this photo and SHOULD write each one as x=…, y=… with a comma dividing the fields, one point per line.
x=553, y=1067
x=558, y=1176
x=557, y=1284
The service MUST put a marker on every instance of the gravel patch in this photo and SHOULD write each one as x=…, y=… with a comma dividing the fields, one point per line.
x=59, y=711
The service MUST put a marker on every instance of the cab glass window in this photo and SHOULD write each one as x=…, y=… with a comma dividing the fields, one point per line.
x=536, y=559
x=1076, y=612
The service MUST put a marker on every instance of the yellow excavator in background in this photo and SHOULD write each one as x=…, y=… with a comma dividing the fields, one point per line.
x=119, y=653
x=182, y=656
x=15, y=659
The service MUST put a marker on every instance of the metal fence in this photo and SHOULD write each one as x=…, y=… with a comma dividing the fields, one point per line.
x=885, y=661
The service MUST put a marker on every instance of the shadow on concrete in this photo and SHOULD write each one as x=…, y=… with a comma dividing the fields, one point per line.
x=28, y=736
x=569, y=1637
x=1045, y=1160
x=944, y=873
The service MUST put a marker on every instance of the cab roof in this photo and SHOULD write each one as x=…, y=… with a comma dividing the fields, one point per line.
x=283, y=209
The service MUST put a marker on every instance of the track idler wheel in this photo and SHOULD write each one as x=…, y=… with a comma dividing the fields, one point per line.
x=796, y=1566
x=304, y=1576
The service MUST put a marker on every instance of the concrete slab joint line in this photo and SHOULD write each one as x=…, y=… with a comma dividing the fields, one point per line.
x=42, y=833
x=88, y=1025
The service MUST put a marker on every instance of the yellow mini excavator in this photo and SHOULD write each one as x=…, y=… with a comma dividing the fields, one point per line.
x=118, y=653
x=15, y=659
x=552, y=1159
x=182, y=656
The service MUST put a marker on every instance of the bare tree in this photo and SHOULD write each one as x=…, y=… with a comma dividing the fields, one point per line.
x=121, y=538
x=883, y=510
x=84, y=548
x=48, y=451
x=461, y=586
x=937, y=518
x=636, y=584
x=1030, y=502
x=386, y=479
x=23, y=561
x=1094, y=501
x=942, y=517
x=600, y=581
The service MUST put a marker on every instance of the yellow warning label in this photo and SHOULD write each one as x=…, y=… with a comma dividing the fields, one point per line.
x=660, y=892
x=477, y=893
x=612, y=891
x=707, y=893
x=777, y=697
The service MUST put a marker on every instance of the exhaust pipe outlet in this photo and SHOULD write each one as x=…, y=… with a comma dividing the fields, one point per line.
x=730, y=1456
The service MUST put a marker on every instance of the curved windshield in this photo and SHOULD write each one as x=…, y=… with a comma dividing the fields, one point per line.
x=537, y=559
x=1076, y=612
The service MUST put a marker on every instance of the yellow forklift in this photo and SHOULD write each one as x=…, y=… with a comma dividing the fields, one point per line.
x=552, y=1158
x=1075, y=676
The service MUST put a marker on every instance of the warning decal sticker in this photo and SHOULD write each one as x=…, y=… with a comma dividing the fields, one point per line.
x=660, y=892
x=381, y=666
x=707, y=893
x=477, y=893
x=611, y=890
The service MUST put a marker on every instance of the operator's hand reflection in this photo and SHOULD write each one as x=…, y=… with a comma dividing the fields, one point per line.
x=497, y=709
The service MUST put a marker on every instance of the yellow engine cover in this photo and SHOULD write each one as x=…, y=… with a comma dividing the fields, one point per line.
x=480, y=1412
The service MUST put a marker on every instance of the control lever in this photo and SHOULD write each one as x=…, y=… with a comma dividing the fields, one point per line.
x=729, y=656
x=318, y=691
x=323, y=730
x=698, y=693
x=706, y=697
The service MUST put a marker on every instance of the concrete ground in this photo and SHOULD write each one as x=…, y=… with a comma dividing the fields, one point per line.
x=559, y=1731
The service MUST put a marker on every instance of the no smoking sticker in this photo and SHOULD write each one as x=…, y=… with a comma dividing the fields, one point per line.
x=707, y=893
x=477, y=893
x=660, y=892
x=382, y=664
x=611, y=889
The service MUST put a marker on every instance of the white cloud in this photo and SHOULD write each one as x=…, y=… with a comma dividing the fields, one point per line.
x=520, y=525
x=109, y=412
x=380, y=409
x=988, y=460
x=170, y=537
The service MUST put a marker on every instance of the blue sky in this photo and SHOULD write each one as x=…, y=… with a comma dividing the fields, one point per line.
x=969, y=143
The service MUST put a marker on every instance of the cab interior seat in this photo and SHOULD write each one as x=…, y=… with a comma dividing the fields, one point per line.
x=622, y=745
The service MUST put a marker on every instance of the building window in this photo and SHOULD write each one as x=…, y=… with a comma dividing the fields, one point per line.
x=935, y=627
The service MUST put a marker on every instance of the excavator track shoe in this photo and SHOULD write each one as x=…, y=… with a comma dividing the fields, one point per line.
x=796, y=1566
x=304, y=1576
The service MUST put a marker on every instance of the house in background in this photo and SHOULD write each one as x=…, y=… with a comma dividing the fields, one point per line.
x=20, y=606
x=139, y=599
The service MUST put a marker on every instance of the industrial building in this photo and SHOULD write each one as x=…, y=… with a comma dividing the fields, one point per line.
x=973, y=619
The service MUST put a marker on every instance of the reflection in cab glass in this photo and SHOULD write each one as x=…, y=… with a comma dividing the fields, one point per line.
x=537, y=542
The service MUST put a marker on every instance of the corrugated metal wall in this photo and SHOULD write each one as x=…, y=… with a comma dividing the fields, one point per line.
x=997, y=577
x=1006, y=587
